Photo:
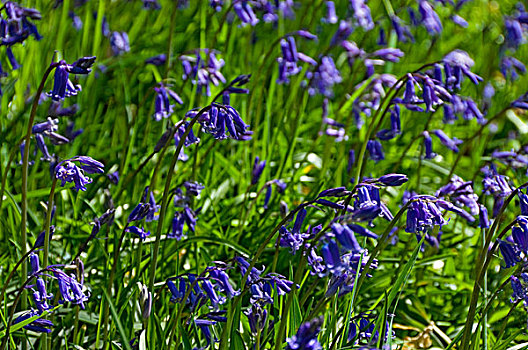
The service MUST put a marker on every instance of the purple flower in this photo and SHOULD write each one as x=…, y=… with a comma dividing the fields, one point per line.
x=306, y=336
x=163, y=108
x=511, y=257
x=40, y=325
x=375, y=150
x=76, y=20
x=362, y=15
x=119, y=43
x=158, y=60
x=345, y=236
x=324, y=78
x=257, y=318
x=221, y=118
x=245, y=13
x=393, y=179
x=70, y=289
x=331, y=16
x=452, y=144
x=203, y=73
x=402, y=31
x=140, y=232
x=483, y=217
x=67, y=171
x=258, y=168
x=511, y=67
x=430, y=19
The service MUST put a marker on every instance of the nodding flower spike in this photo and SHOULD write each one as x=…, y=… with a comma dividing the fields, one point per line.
x=67, y=171
x=393, y=179
x=258, y=168
x=334, y=192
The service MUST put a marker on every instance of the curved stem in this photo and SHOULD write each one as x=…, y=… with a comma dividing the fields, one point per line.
x=25, y=163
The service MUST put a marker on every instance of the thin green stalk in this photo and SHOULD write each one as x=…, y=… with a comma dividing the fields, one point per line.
x=25, y=164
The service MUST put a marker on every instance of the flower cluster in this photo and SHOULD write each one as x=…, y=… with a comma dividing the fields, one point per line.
x=62, y=85
x=203, y=72
x=163, y=108
x=67, y=171
x=15, y=27
x=184, y=214
x=71, y=289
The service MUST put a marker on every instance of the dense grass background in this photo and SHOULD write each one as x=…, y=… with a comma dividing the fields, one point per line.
x=416, y=289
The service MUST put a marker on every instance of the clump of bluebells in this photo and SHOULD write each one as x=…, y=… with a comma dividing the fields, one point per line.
x=329, y=84
x=70, y=286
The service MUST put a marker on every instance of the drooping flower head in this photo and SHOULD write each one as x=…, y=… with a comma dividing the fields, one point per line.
x=62, y=85
x=68, y=171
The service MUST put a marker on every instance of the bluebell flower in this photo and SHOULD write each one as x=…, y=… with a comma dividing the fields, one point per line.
x=190, y=140
x=460, y=193
x=203, y=73
x=119, y=43
x=430, y=19
x=257, y=318
x=222, y=282
x=209, y=290
x=519, y=287
x=139, y=231
x=423, y=214
x=324, y=78
x=511, y=257
x=331, y=256
x=76, y=20
x=393, y=179
x=258, y=168
x=483, y=217
x=62, y=85
x=514, y=32
x=245, y=13
x=331, y=16
x=216, y=4
x=511, y=67
x=452, y=144
x=139, y=212
x=67, y=171
x=70, y=289
x=177, y=291
x=41, y=296
x=367, y=203
x=157, y=60
x=153, y=207
x=34, y=263
x=306, y=336
x=242, y=263
x=221, y=120
x=163, y=108
x=456, y=64
x=362, y=328
x=362, y=16
x=402, y=31
x=345, y=236
x=39, y=242
x=40, y=325
x=289, y=60
x=375, y=150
